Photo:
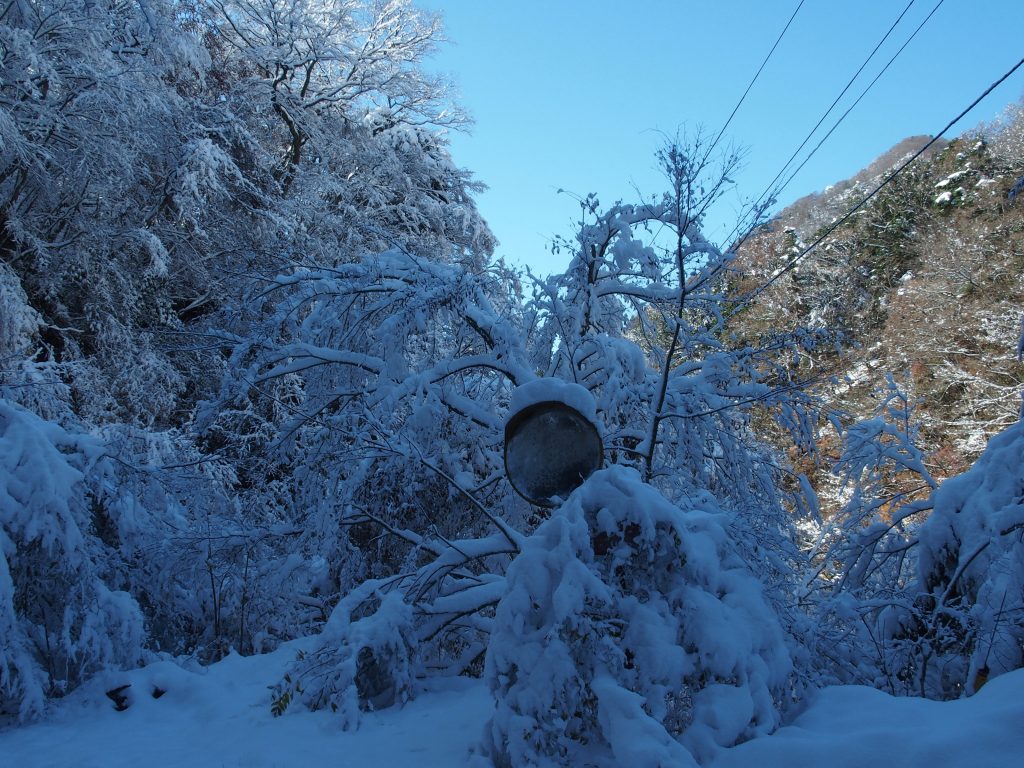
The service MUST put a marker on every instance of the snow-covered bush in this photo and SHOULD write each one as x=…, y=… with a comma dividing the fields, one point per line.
x=967, y=620
x=18, y=321
x=925, y=584
x=363, y=660
x=59, y=619
x=215, y=564
x=631, y=632
x=886, y=483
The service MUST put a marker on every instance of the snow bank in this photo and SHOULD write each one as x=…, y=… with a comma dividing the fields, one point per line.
x=219, y=717
x=855, y=726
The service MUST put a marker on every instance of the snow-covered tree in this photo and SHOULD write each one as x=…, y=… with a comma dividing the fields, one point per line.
x=60, y=619
x=145, y=187
x=398, y=368
x=401, y=371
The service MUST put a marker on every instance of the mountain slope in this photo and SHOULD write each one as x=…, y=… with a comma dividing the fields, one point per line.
x=924, y=282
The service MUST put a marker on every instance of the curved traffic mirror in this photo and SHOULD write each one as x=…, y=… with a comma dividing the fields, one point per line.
x=551, y=447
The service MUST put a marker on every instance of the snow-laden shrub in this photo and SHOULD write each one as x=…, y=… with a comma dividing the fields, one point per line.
x=359, y=663
x=968, y=620
x=25, y=379
x=215, y=562
x=18, y=321
x=631, y=633
x=59, y=620
x=932, y=607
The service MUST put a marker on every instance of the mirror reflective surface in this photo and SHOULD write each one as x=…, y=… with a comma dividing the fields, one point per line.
x=550, y=449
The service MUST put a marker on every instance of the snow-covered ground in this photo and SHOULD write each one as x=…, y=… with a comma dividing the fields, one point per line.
x=858, y=727
x=220, y=717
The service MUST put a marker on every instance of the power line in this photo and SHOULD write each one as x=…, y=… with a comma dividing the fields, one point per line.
x=775, y=192
x=857, y=101
x=769, y=189
x=754, y=79
x=839, y=222
x=711, y=148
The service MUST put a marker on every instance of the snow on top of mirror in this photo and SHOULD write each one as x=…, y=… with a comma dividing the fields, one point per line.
x=546, y=390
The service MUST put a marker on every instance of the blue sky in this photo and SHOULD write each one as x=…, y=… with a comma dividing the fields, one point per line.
x=572, y=94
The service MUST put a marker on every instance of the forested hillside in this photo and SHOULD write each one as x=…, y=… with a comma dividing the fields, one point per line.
x=258, y=362
x=166, y=170
x=924, y=283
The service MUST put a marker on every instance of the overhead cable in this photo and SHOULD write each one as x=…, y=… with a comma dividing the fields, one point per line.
x=857, y=101
x=770, y=188
x=840, y=221
x=754, y=79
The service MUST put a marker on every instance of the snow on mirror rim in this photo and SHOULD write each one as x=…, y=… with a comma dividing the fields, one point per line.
x=549, y=390
x=551, y=441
